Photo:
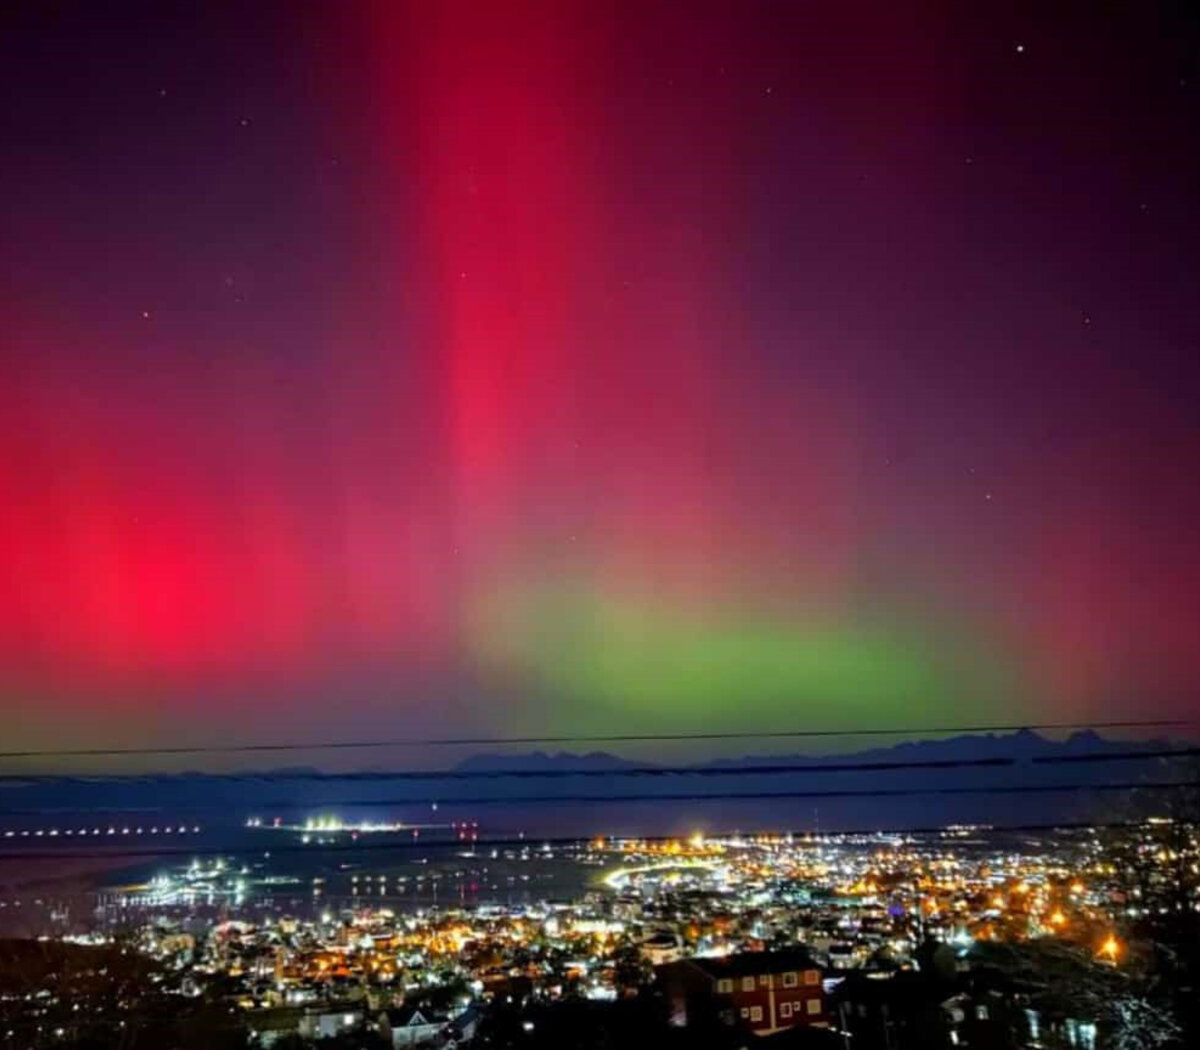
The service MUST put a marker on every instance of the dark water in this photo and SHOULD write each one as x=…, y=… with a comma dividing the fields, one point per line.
x=68, y=843
x=268, y=872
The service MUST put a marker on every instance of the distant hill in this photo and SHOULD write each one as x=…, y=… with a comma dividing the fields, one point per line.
x=1023, y=745
x=562, y=762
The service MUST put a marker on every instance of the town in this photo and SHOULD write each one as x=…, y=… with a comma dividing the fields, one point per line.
x=968, y=937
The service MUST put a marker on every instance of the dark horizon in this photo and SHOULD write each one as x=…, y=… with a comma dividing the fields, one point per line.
x=1009, y=779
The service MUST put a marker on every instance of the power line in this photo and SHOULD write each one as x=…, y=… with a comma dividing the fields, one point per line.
x=616, y=738
x=738, y=796
x=539, y=842
x=774, y=768
x=718, y=771
x=714, y=796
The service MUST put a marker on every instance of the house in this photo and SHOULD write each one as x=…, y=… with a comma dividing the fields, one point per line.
x=910, y=1010
x=661, y=948
x=409, y=1026
x=507, y=987
x=762, y=992
x=462, y=1029
x=325, y=1024
x=268, y=1027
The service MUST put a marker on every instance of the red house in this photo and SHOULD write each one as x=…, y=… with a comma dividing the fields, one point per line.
x=763, y=992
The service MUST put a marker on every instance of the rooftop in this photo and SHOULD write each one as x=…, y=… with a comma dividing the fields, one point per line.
x=746, y=963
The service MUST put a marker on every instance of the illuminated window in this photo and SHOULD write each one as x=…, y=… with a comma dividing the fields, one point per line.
x=725, y=985
x=745, y=1011
x=1034, y=1022
x=814, y=1006
x=812, y=977
x=789, y=980
x=785, y=1010
x=747, y=984
x=764, y=980
x=756, y=1013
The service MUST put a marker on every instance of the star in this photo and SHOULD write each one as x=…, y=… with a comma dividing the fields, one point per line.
x=145, y=315
x=1020, y=49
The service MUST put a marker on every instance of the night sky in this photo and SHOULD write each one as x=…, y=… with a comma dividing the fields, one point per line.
x=566, y=367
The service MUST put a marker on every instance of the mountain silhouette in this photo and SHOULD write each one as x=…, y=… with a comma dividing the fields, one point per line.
x=994, y=778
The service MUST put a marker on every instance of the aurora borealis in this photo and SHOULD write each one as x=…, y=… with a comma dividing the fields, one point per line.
x=595, y=366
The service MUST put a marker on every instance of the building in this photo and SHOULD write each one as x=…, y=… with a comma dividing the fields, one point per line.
x=916, y=1011
x=462, y=1029
x=662, y=948
x=409, y=1026
x=761, y=992
x=327, y=1023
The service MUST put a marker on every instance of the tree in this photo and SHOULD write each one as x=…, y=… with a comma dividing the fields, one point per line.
x=1136, y=1024
x=631, y=970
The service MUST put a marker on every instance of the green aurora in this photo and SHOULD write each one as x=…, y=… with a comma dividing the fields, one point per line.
x=591, y=660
